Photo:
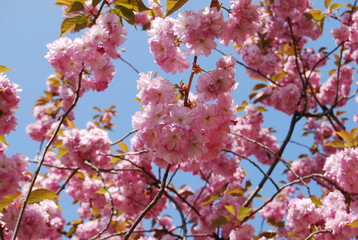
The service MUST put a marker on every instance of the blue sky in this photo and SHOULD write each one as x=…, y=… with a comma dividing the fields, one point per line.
x=27, y=26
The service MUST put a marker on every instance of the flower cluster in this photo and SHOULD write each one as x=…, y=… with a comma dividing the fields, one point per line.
x=12, y=171
x=177, y=133
x=332, y=215
x=8, y=103
x=92, y=51
x=41, y=220
x=198, y=31
x=342, y=168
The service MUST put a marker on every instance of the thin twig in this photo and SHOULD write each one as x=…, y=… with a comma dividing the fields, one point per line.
x=295, y=118
x=67, y=180
x=110, y=198
x=180, y=210
x=47, y=147
x=186, y=97
x=129, y=64
x=287, y=165
x=151, y=204
x=317, y=232
x=253, y=163
x=124, y=137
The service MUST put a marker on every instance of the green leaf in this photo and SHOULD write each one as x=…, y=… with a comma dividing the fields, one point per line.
x=337, y=144
x=345, y=135
x=278, y=77
x=236, y=192
x=317, y=15
x=75, y=7
x=327, y=3
x=74, y=23
x=64, y=2
x=261, y=109
x=316, y=201
x=243, y=213
x=123, y=146
x=210, y=199
x=354, y=133
x=41, y=194
x=353, y=224
x=4, y=203
x=7, y=200
x=135, y=5
x=230, y=209
x=62, y=152
x=102, y=190
x=3, y=140
x=173, y=5
x=125, y=13
x=67, y=25
x=4, y=69
x=219, y=221
x=239, y=109
x=258, y=86
x=335, y=5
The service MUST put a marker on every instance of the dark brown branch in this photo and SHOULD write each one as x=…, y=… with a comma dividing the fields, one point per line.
x=253, y=163
x=67, y=180
x=151, y=204
x=295, y=118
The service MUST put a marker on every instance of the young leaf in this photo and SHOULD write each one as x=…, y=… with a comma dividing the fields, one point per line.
x=75, y=7
x=317, y=15
x=335, y=5
x=101, y=191
x=327, y=3
x=354, y=133
x=4, y=69
x=337, y=144
x=8, y=200
x=173, y=5
x=243, y=213
x=64, y=2
x=67, y=25
x=353, y=224
x=345, y=135
x=230, y=209
x=62, y=152
x=41, y=194
x=262, y=97
x=236, y=192
x=219, y=221
x=316, y=201
x=135, y=5
x=3, y=140
x=125, y=13
x=123, y=146
x=239, y=109
x=209, y=199
x=258, y=86
x=95, y=2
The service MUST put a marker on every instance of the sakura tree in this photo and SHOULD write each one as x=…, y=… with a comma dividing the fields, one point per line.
x=125, y=188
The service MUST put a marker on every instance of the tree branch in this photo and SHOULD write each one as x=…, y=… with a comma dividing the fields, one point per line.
x=151, y=204
x=47, y=147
